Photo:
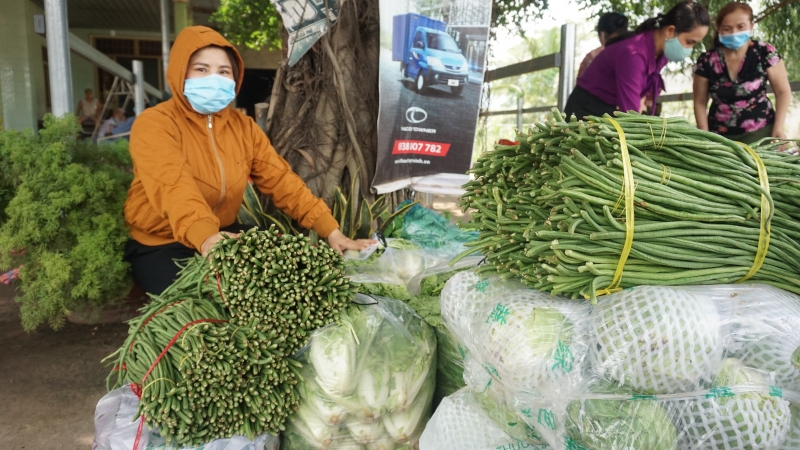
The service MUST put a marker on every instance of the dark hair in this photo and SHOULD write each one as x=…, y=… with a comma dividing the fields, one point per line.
x=731, y=7
x=611, y=22
x=685, y=17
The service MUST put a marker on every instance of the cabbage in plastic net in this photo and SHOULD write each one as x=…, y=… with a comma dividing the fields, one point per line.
x=730, y=418
x=461, y=423
x=693, y=367
x=658, y=340
x=368, y=380
x=526, y=340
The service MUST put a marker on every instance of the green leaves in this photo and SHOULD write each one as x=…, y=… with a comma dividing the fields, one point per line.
x=65, y=222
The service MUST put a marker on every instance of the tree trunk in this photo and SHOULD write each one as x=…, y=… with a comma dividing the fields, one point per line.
x=323, y=111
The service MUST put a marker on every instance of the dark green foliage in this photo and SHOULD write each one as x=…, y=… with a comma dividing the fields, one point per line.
x=64, y=224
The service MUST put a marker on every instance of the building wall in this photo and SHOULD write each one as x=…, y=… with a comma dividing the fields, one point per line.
x=21, y=66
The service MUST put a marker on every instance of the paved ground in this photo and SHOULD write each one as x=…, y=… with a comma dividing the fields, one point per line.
x=50, y=381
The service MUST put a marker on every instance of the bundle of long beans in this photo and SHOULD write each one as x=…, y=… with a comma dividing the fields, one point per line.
x=552, y=209
x=211, y=356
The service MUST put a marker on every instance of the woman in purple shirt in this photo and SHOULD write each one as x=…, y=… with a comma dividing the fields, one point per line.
x=629, y=68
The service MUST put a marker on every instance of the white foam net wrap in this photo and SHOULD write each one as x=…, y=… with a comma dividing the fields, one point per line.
x=742, y=422
x=653, y=367
x=657, y=340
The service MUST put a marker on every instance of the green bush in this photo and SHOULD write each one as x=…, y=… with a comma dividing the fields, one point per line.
x=63, y=220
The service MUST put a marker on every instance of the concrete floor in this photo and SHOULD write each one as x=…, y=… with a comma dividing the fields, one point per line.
x=50, y=381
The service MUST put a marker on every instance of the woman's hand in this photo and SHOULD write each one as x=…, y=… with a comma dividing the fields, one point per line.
x=212, y=240
x=339, y=241
x=778, y=133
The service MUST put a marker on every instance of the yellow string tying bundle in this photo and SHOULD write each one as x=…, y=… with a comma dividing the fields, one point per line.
x=628, y=193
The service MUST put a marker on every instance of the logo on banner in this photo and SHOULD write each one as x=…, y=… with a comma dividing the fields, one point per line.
x=416, y=115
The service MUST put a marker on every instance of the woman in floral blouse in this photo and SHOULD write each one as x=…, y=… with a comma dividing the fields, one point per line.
x=735, y=74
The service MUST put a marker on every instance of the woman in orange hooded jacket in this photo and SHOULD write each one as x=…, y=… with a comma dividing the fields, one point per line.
x=192, y=156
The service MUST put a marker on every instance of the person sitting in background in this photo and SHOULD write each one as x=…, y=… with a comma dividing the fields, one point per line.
x=123, y=129
x=734, y=74
x=117, y=116
x=610, y=25
x=88, y=109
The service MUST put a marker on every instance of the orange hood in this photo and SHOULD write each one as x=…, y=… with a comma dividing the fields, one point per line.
x=190, y=40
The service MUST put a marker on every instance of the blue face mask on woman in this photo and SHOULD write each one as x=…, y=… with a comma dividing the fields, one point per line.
x=675, y=51
x=209, y=94
x=735, y=41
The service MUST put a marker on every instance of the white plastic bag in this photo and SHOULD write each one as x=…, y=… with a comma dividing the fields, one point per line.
x=368, y=380
x=115, y=429
x=460, y=423
x=655, y=367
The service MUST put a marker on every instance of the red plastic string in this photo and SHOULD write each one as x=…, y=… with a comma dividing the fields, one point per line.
x=507, y=142
x=146, y=321
x=137, y=389
x=219, y=287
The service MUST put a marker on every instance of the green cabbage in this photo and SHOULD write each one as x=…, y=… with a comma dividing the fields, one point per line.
x=497, y=410
x=762, y=419
x=405, y=424
x=620, y=425
x=365, y=432
x=333, y=355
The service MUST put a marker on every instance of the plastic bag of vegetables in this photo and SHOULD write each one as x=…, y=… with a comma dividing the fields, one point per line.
x=461, y=422
x=432, y=229
x=526, y=340
x=368, y=380
x=115, y=429
x=388, y=287
x=700, y=367
x=398, y=261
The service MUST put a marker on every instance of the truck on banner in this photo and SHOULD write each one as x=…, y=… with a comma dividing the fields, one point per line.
x=431, y=76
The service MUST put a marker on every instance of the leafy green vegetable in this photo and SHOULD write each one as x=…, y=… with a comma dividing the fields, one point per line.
x=381, y=396
x=496, y=408
x=747, y=421
x=333, y=355
x=388, y=290
x=620, y=425
x=65, y=223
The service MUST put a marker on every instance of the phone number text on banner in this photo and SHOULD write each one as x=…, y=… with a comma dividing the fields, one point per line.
x=414, y=147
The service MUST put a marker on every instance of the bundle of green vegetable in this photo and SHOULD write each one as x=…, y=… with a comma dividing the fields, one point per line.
x=211, y=356
x=367, y=380
x=560, y=209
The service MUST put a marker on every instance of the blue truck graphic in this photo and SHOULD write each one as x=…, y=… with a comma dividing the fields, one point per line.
x=427, y=53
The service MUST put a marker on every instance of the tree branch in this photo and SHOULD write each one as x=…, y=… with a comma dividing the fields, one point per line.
x=773, y=9
x=348, y=114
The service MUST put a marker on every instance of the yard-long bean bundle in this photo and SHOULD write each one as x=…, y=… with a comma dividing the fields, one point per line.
x=212, y=356
x=552, y=209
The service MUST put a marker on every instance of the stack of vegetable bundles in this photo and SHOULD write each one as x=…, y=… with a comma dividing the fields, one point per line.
x=651, y=367
x=574, y=204
x=368, y=380
x=212, y=356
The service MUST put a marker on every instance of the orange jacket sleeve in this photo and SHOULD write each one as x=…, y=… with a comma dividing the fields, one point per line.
x=289, y=192
x=170, y=187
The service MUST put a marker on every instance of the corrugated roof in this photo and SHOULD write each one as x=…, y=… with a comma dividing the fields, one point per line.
x=140, y=15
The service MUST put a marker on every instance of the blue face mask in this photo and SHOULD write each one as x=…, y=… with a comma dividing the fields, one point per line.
x=735, y=41
x=675, y=51
x=210, y=94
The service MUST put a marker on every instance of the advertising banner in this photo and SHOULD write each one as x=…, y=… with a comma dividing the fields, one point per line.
x=306, y=21
x=431, y=74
